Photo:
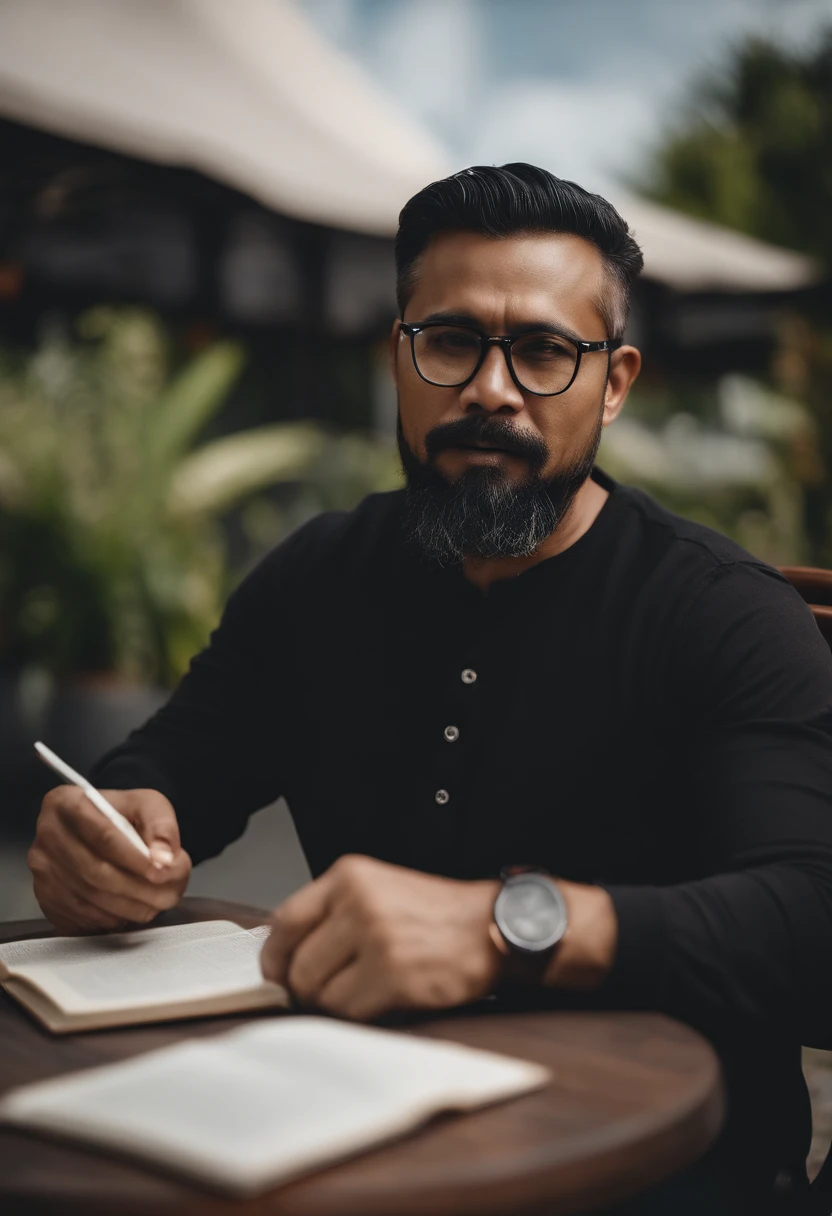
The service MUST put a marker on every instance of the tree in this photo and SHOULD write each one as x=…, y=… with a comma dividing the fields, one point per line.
x=753, y=151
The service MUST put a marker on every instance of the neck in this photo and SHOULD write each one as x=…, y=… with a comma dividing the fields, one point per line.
x=586, y=507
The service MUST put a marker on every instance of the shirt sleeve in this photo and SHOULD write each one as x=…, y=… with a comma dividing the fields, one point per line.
x=217, y=748
x=750, y=677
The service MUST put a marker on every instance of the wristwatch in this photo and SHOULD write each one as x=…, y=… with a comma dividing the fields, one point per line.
x=529, y=922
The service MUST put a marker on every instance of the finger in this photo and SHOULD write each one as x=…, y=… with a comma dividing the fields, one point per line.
x=109, y=902
x=77, y=814
x=296, y=917
x=98, y=880
x=175, y=876
x=325, y=951
x=154, y=818
x=62, y=890
x=357, y=992
x=71, y=914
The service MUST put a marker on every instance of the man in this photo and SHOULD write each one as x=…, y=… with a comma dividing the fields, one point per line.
x=514, y=661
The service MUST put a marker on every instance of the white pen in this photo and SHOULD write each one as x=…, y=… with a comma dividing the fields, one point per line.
x=96, y=798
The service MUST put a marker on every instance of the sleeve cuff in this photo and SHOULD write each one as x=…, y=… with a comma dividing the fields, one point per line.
x=636, y=978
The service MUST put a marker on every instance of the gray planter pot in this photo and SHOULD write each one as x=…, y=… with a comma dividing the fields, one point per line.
x=80, y=720
x=88, y=717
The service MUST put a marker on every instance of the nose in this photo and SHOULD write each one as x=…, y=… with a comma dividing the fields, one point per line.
x=492, y=389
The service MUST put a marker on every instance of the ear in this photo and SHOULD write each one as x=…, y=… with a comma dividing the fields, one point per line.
x=625, y=365
x=395, y=342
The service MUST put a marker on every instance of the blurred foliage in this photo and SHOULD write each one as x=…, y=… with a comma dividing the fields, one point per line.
x=113, y=556
x=729, y=456
x=752, y=150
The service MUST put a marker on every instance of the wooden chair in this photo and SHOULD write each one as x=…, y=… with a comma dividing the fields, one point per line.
x=815, y=586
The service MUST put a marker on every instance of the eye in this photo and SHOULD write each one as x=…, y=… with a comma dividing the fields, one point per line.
x=452, y=341
x=542, y=348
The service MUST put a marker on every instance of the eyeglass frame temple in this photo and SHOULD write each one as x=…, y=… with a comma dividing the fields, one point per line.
x=582, y=346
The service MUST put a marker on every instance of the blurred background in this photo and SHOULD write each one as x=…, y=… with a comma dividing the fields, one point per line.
x=197, y=206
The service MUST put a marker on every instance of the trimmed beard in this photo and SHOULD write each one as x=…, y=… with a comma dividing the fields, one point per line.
x=485, y=513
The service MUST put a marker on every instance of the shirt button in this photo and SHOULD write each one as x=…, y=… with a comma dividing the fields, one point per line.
x=468, y=676
x=442, y=796
x=451, y=733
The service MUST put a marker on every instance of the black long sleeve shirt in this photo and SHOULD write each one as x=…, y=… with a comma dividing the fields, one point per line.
x=649, y=710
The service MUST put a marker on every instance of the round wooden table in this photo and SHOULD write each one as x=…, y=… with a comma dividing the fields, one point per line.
x=634, y=1099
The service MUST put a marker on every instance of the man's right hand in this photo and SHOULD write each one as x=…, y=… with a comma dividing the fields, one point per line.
x=87, y=874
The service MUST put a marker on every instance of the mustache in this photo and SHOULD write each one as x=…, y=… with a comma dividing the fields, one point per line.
x=476, y=428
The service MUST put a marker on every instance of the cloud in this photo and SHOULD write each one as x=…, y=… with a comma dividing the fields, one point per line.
x=429, y=55
x=582, y=87
x=589, y=132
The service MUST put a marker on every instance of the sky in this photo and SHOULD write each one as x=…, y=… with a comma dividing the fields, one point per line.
x=584, y=88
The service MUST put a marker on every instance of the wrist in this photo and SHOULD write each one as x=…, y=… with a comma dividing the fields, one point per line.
x=482, y=894
x=587, y=951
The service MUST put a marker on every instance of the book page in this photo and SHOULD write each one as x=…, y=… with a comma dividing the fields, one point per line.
x=54, y=950
x=140, y=968
x=244, y=1110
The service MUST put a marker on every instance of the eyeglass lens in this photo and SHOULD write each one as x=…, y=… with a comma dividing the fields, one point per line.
x=448, y=354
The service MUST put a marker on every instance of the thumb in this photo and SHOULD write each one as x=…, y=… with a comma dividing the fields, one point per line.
x=161, y=854
x=154, y=818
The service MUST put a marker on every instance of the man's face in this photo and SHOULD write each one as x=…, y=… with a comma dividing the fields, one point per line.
x=504, y=287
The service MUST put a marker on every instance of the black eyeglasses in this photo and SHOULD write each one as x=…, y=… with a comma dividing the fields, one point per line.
x=544, y=364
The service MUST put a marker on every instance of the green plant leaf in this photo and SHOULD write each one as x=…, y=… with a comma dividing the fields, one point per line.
x=112, y=555
x=191, y=400
x=226, y=470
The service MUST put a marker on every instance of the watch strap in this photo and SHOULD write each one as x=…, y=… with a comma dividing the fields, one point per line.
x=519, y=971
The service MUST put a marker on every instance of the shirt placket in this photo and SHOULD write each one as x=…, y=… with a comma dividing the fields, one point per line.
x=453, y=757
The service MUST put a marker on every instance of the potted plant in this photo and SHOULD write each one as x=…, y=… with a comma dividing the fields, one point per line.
x=113, y=564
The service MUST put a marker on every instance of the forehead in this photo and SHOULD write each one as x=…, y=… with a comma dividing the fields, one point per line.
x=510, y=280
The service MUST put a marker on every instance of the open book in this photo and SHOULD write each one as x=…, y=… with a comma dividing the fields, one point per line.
x=149, y=975
x=244, y=1110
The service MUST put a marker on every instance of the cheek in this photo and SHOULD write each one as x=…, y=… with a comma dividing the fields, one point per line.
x=567, y=424
x=421, y=407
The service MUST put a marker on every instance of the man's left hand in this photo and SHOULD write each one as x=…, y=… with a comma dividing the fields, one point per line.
x=367, y=937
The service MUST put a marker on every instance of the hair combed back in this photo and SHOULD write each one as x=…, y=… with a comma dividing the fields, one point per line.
x=512, y=199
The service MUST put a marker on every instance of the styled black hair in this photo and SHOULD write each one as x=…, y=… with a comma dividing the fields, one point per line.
x=512, y=199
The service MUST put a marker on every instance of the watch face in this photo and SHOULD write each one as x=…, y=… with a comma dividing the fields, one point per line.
x=530, y=913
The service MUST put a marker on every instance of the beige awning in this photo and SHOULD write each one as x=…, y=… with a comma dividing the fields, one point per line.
x=247, y=92
x=244, y=91
x=691, y=255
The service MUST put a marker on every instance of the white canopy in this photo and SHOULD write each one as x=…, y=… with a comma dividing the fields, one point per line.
x=693, y=255
x=243, y=90
x=246, y=92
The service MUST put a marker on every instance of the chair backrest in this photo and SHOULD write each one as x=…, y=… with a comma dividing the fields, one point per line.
x=816, y=588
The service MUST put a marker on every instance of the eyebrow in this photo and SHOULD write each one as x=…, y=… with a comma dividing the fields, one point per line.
x=526, y=327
